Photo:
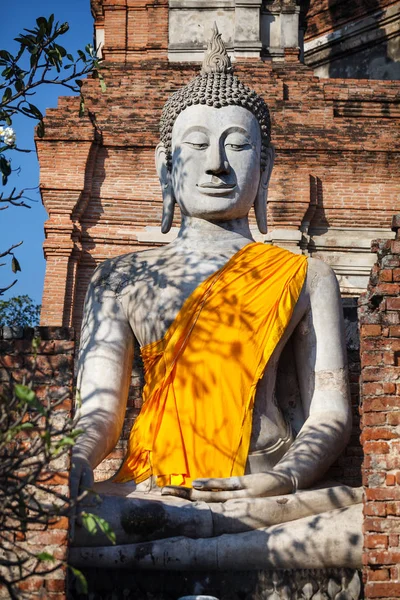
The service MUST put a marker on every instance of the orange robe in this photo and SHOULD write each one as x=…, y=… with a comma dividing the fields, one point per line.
x=201, y=377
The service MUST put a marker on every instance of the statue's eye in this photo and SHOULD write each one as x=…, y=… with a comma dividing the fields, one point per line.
x=236, y=147
x=196, y=140
x=237, y=142
x=197, y=145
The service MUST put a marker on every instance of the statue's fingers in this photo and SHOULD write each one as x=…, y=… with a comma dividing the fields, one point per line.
x=177, y=491
x=223, y=496
x=218, y=483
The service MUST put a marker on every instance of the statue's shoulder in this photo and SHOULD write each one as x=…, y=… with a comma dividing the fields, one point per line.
x=115, y=274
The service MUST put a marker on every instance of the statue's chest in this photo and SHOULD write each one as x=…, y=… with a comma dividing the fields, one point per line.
x=156, y=298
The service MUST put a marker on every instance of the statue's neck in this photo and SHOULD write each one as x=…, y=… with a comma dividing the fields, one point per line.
x=209, y=234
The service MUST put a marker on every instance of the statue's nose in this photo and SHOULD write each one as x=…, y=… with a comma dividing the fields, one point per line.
x=217, y=161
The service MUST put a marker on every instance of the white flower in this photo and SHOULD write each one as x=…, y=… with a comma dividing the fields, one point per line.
x=9, y=136
x=1, y=131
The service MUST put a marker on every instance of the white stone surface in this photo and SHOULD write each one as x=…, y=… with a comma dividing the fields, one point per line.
x=246, y=27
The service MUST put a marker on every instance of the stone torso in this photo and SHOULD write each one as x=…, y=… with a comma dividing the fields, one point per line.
x=152, y=287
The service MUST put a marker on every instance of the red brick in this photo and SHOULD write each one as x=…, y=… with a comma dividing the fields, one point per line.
x=395, y=246
x=371, y=330
x=378, y=433
x=382, y=590
x=61, y=523
x=55, y=585
x=375, y=540
x=388, y=289
x=381, y=374
x=375, y=509
x=384, y=557
x=383, y=403
x=393, y=303
x=374, y=418
x=386, y=275
x=376, y=448
x=378, y=574
x=388, y=524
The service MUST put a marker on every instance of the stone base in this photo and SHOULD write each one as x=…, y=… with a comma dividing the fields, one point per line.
x=343, y=584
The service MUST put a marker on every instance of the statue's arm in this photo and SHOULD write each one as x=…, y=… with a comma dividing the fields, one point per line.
x=104, y=371
x=320, y=354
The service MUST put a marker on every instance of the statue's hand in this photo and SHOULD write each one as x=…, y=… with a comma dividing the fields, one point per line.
x=81, y=478
x=249, y=486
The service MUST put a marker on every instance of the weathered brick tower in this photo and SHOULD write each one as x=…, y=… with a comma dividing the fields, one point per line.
x=334, y=188
x=336, y=177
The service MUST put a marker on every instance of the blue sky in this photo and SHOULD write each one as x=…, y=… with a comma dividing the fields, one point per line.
x=18, y=224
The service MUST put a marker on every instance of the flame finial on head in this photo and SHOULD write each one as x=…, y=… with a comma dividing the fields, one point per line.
x=216, y=59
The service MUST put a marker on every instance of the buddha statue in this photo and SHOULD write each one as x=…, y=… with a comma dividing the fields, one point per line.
x=221, y=472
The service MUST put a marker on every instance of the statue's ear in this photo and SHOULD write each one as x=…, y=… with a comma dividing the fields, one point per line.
x=260, y=203
x=164, y=176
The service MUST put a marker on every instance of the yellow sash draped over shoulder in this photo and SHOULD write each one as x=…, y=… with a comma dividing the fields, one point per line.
x=201, y=377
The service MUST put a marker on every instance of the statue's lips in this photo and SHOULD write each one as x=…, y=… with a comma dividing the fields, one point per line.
x=216, y=189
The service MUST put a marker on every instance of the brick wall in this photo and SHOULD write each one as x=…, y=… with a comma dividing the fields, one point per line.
x=380, y=411
x=324, y=16
x=52, y=380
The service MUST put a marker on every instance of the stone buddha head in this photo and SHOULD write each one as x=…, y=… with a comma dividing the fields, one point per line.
x=215, y=158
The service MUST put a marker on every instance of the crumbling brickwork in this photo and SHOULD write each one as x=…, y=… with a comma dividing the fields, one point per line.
x=380, y=410
x=324, y=16
x=52, y=380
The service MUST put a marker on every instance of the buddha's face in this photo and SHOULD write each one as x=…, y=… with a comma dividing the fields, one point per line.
x=215, y=161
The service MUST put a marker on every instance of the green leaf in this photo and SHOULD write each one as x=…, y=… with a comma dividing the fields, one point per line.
x=43, y=556
x=50, y=24
x=70, y=57
x=89, y=522
x=41, y=21
x=25, y=426
x=79, y=82
x=65, y=441
x=81, y=583
x=5, y=55
x=36, y=343
x=40, y=129
x=35, y=111
x=62, y=51
x=105, y=527
x=93, y=523
x=19, y=84
x=28, y=396
x=7, y=95
x=5, y=166
x=82, y=55
x=15, y=266
x=33, y=60
x=24, y=393
x=46, y=438
x=102, y=82
x=6, y=73
x=62, y=29
x=82, y=106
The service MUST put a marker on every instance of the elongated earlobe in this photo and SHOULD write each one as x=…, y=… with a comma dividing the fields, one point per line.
x=260, y=203
x=164, y=176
